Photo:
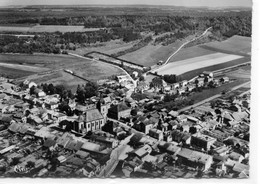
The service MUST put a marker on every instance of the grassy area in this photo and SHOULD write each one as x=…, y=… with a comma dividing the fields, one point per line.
x=151, y=54
x=235, y=44
x=91, y=71
x=190, y=52
x=86, y=68
x=44, y=60
x=111, y=47
x=13, y=73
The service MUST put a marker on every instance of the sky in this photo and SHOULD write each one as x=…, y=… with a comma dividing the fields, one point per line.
x=209, y=3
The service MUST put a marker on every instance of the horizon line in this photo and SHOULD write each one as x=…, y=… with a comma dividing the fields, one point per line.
x=191, y=6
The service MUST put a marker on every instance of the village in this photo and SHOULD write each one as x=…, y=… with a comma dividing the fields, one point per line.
x=125, y=131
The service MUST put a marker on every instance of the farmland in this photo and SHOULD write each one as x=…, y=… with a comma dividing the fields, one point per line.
x=94, y=71
x=193, y=73
x=190, y=52
x=110, y=47
x=235, y=44
x=187, y=65
x=46, y=28
x=152, y=54
x=90, y=70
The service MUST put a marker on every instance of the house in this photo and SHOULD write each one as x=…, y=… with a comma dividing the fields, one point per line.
x=142, y=86
x=90, y=147
x=91, y=120
x=44, y=133
x=118, y=111
x=144, y=126
x=241, y=169
x=73, y=145
x=168, y=147
x=202, y=141
x=184, y=83
x=50, y=143
x=103, y=105
x=157, y=134
x=236, y=157
x=200, y=81
x=208, y=73
x=181, y=137
x=195, y=159
x=39, y=93
x=229, y=120
x=224, y=79
x=173, y=113
x=33, y=119
x=158, y=83
x=142, y=152
x=107, y=141
x=52, y=105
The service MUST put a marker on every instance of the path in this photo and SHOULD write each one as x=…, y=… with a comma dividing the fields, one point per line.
x=184, y=44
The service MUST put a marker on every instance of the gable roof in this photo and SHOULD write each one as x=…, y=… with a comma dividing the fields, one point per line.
x=93, y=115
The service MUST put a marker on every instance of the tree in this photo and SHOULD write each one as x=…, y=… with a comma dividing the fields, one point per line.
x=141, y=78
x=32, y=90
x=15, y=161
x=170, y=78
x=80, y=94
x=206, y=79
x=133, y=112
x=30, y=164
x=91, y=89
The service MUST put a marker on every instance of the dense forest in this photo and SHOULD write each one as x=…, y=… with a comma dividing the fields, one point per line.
x=126, y=27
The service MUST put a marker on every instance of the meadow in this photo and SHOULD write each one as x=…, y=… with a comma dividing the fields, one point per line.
x=236, y=44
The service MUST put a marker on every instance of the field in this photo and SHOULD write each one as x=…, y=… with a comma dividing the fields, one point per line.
x=191, y=74
x=13, y=73
x=151, y=54
x=91, y=71
x=86, y=68
x=111, y=47
x=46, y=28
x=23, y=67
x=191, y=64
x=235, y=44
x=190, y=52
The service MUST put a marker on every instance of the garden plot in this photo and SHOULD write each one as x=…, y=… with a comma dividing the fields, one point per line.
x=180, y=67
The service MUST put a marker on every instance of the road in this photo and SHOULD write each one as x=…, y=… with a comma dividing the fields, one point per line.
x=184, y=44
x=212, y=98
x=119, y=153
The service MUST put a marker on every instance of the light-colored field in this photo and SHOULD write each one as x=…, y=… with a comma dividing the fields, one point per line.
x=187, y=65
x=24, y=67
x=235, y=44
x=47, y=28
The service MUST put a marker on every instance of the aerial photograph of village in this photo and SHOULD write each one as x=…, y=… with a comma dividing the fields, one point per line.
x=100, y=89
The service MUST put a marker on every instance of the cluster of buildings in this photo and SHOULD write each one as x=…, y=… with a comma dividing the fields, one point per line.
x=113, y=130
